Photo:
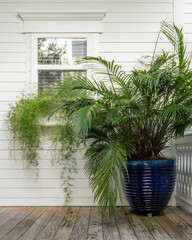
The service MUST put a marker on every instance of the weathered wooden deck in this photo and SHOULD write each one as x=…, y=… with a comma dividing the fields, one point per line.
x=27, y=223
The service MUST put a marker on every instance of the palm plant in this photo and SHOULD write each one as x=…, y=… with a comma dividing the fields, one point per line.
x=129, y=116
x=123, y=116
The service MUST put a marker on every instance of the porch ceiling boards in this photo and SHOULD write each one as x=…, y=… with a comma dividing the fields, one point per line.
x=28, y=223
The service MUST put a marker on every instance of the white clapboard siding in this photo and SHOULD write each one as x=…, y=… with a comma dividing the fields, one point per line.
x=43, y=154
x=12, y=37
x=10, y=18
x=2, y=115
x=12, y=58
x=45, y=193
x=12, y=86
x=127, y=57
x=39, y=183
x=136, y=17
x=188, y=8
x=5, y=106
x=12, y=67
x=129, y=7
x=11, y=27
x=4, y=134
x=43, y=164
x=128, y=31
x=12, y=47
x=132, y=47
x=30, y=173
x=85, y=1
x=131, y=27
x=188, y=18
x=12, y=77
x=3, y=127
x=188, y=22
x=4, y=144
x=13, y=155
x=130, y=37
x=188, y=28
x=7, y=96
x=127, y=67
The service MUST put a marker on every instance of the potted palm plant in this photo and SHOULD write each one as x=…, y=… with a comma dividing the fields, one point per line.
x=125, y=121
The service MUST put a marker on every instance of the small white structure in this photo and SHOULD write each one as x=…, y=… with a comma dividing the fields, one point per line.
x=120, y=30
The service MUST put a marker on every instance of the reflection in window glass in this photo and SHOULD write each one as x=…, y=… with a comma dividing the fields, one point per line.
x=57, y=51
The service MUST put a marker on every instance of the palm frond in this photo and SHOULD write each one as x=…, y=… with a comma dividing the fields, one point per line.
x=112, y=70
x=176, y=38
x=103, y=166
x=81, y=118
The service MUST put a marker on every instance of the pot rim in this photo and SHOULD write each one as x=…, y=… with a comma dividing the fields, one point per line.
x=145, y=162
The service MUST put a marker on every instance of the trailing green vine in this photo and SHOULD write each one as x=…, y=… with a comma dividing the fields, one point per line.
x=25, y=124
x=65, y=158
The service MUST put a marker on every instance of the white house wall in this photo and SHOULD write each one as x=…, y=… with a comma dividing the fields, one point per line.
x=188, y=19
x=129, y=30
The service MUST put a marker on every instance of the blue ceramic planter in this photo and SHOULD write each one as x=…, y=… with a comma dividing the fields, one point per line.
x=149, y=185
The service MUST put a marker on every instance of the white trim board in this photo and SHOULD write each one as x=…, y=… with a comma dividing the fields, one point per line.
x=62, y=16
x=183, y=203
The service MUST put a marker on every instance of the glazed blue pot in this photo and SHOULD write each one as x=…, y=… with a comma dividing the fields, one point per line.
x=148, y=186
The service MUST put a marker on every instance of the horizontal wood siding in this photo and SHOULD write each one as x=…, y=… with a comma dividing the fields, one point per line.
x=188, y=18
x=129, y=30
x=127, y=7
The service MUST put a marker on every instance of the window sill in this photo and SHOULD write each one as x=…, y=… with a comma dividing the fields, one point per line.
x=50, y=123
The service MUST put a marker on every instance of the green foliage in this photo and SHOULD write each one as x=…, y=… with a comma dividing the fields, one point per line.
x=121, y=117
x=25, y=127
x=65, y=157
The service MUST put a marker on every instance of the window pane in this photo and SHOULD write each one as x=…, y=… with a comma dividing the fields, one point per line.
x=79, y=49
x=48, y=77
x=61, y=51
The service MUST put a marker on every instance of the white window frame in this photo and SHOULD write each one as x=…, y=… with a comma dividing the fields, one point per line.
x=32, y=66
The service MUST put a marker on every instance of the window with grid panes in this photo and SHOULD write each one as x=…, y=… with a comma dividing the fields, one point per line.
x=58, y=57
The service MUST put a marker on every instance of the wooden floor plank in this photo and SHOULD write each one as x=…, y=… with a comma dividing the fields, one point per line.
x=124, y=226
x=67, y=224
x=138, y=225
x=179, y=223
x=3, y=209
x=24, y=225
x=110, y=229
x=172, y=230
x=39, y=225
x=155, y=228
x=51, y=228
x=187, y=217
x=8, y=214
x=11, y=223
x=81, y=225
x=95, y=230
